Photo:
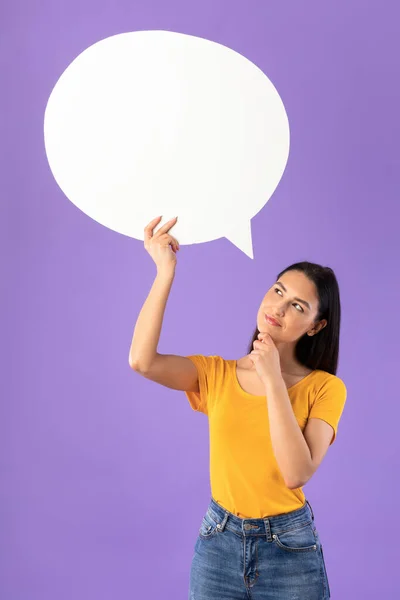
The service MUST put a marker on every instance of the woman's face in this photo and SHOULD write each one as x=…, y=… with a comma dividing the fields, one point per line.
x=293, y=302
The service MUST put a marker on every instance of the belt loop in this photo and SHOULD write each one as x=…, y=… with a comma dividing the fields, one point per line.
x=312, y=513
x=268, y=530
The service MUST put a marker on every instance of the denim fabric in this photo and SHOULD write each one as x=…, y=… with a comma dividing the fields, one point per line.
x=274, y=558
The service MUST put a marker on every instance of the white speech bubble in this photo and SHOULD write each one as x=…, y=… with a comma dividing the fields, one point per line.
x=154, y=123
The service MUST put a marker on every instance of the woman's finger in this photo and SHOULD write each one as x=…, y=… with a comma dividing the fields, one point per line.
x=168, y=225
x=148, y=230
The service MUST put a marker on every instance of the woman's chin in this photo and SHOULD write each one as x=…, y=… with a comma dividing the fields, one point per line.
x=269, y=329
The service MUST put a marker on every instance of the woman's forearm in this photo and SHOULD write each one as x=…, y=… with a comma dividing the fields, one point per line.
x=289, y=445
x=147, y=330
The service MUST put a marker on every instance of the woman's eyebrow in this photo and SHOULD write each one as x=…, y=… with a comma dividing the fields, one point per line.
x=298, y=299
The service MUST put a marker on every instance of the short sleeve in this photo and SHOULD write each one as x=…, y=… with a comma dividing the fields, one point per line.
x=205, y=366
x=329, y=403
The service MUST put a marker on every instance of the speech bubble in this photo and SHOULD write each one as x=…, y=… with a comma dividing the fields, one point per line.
x=151, y=123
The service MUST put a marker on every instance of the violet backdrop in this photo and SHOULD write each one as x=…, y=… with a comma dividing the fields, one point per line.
x=104, y=475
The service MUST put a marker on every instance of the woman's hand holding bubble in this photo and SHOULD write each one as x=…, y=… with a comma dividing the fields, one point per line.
x=161, y=246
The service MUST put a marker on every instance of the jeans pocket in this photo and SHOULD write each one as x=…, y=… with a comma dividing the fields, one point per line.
x=208, y=528
x=300, y=539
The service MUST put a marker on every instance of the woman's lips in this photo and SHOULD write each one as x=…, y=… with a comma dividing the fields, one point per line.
x=272, y=321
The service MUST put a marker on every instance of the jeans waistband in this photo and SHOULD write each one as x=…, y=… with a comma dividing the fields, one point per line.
x=263, y=526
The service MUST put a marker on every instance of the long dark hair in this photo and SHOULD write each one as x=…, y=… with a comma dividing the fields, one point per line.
x=320, y=351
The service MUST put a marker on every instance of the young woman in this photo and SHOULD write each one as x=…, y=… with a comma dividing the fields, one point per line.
x=273, y=414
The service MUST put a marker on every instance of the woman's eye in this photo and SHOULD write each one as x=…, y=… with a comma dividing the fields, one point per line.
x=295, y=304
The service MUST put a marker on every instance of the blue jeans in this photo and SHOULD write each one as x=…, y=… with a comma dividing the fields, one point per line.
x=274, y=558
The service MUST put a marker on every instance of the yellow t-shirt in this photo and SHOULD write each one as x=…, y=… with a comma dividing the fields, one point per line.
x=244, y=475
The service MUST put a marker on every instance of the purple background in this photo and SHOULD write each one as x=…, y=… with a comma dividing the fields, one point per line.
x=104, y=475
